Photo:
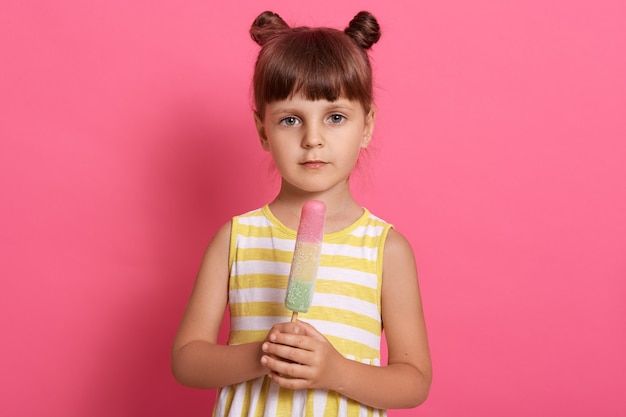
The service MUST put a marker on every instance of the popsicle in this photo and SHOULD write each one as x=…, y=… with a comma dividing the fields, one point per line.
x=306, y=258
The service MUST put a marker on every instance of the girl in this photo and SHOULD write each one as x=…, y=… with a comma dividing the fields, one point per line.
x=314, y=114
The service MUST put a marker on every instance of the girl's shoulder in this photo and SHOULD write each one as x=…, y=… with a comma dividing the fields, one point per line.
x=253, y=218
x=370, y=224
x=251, y=213
x=371, y=218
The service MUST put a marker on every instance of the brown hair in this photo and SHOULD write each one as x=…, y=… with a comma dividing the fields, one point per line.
x=319, y=63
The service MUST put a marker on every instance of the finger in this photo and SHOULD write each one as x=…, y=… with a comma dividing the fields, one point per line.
x=309, y=330
x=283, y=368
x=298, y=341
x=285, y=328
x=292, y=327
x=289, y=382
x=285, y=352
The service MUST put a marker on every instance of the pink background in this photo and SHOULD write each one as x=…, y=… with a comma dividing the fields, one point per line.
x=126, y=139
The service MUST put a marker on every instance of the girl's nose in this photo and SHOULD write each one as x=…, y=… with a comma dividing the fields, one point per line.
x=312, y=138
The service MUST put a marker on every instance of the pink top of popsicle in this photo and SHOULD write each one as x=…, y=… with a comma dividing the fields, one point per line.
x=311, y=228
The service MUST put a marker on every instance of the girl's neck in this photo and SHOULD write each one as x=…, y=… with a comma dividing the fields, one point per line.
x=341, y=210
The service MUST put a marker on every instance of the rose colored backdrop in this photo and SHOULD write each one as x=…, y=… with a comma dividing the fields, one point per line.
x=126, y=139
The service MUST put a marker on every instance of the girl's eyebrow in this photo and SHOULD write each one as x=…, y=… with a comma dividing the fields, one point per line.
x=339, y=104
x=343, y=103
x=281, y=111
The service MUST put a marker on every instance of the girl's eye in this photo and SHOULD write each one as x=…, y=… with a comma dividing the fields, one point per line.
x=290, y=121
x=336, y=118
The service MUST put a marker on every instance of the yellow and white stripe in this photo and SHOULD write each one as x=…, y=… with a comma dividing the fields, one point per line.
x=345, y=308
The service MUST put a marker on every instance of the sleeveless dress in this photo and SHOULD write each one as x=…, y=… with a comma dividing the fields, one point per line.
x=346, y=308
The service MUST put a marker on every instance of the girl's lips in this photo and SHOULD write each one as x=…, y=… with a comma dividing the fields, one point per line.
x=313, y=164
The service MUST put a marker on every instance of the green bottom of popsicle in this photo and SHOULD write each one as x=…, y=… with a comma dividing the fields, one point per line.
x=299, y=295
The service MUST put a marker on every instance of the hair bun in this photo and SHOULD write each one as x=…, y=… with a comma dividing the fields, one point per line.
x=265, y=26
x=364, y=29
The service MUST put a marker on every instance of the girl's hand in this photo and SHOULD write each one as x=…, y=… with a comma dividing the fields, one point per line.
x=300, y=357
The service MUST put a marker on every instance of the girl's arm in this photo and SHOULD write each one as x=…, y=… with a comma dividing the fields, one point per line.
x=197, y=359
x=312, y=362
x=405, y=328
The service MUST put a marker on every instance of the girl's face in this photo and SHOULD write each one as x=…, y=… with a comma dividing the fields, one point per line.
x=315, y=144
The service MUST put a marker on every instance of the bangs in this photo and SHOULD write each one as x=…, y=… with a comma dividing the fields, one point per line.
x=315, y=64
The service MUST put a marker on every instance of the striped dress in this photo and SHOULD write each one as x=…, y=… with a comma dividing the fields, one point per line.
x=346, y=308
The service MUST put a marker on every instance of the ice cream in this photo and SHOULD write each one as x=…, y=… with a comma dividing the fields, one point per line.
x=306, y=258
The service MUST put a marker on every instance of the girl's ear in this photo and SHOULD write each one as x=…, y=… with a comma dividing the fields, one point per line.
x=260, y=128
x=368, y=130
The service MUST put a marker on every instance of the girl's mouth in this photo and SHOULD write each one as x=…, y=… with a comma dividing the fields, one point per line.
x=313, y=164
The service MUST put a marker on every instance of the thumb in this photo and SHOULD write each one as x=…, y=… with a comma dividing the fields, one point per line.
x=311, y=331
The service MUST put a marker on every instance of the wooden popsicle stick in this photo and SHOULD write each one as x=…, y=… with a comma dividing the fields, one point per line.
x=294, y=317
